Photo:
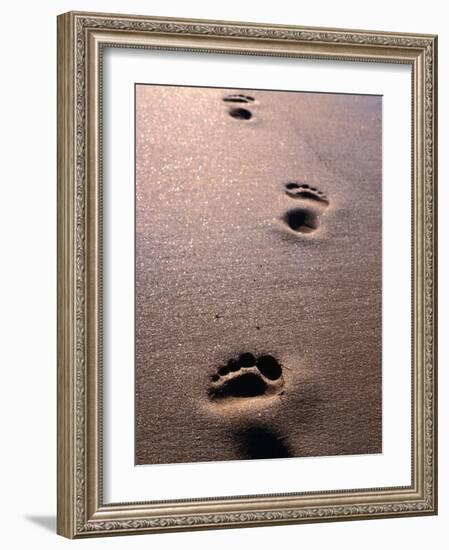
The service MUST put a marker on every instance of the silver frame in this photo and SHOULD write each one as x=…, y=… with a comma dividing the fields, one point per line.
x=81, y=39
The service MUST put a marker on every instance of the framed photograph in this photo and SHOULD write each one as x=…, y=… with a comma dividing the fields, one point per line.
x=246, y=274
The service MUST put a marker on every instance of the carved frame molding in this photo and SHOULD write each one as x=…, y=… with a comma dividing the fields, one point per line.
x=81, y=38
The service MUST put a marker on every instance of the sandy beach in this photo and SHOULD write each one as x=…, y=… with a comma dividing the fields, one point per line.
x=258, y=274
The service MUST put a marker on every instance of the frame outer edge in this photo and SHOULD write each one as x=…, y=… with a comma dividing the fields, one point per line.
x=435, y=269
x=66, y=341
x=160, y=19
x=75, y=423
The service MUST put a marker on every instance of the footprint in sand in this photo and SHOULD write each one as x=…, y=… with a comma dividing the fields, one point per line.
x=247, y=376
x=306, y=217
x=240, y=113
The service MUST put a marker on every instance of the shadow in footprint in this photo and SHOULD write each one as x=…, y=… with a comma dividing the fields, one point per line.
x=240, y=113
x=258, y=442
x=304, y=191
x=238, y=98
x=247, y=376
x=306, y=218
x=301, y=220
x=248, y=384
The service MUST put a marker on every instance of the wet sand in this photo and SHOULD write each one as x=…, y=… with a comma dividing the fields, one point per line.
x=258, y=274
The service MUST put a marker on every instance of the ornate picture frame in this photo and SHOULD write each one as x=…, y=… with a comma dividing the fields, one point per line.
x=82, y=509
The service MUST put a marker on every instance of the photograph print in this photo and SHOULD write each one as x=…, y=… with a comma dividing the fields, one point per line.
x=258, y=274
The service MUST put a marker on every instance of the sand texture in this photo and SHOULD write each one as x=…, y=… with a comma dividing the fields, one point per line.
x=258, y=274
